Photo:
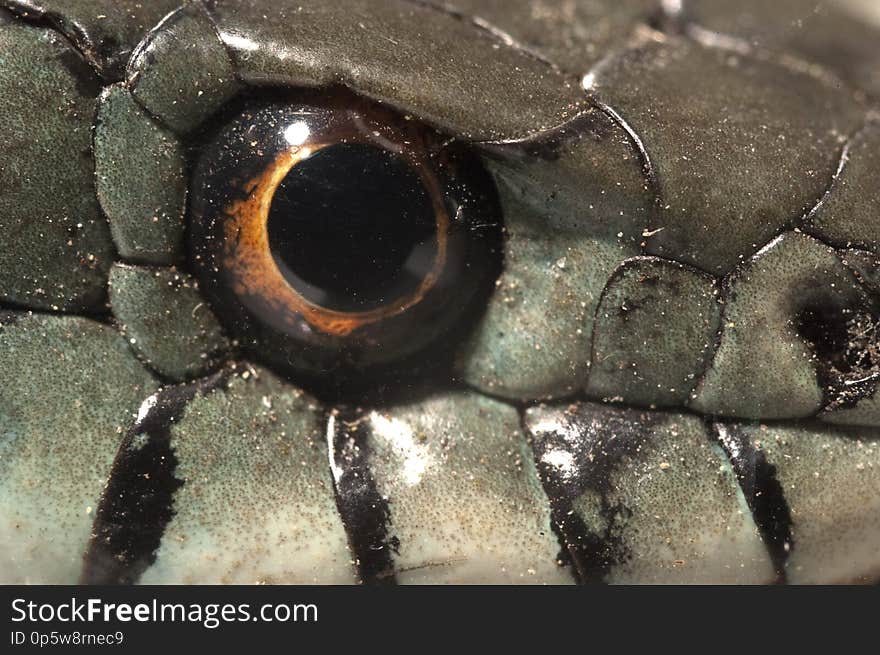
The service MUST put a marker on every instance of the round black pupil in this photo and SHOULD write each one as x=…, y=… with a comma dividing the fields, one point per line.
x=352, y=228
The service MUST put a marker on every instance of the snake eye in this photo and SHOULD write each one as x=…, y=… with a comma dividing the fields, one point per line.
x=332, y=231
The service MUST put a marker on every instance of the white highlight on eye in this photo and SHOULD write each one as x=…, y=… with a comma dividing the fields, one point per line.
x=297, y=133
x=400, y=435
x=239, y=42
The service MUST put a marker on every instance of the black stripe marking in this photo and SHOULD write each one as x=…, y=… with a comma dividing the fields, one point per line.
x=595, y=439
x=138, y=501
x=764, y=494
x=365, y=514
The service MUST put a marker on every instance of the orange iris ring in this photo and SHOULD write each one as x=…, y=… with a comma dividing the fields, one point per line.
x=248, y=257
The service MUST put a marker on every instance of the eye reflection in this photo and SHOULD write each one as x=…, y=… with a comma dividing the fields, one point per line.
x=297, y=133
x=329, y=231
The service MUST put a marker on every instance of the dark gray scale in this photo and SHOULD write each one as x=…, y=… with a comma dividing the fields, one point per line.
x=71, y=387
x=373, y=48
x=451, y=491
x=166, y=321
x=644, y=497
x=741, y=147
x=842, y=35
x=181, y=72
x=104, y=31
x=655, y=331
x=829, y=480
x=146, y=211
x=55, y=246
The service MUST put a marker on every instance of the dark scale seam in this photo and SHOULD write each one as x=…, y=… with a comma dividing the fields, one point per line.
x=842, y=162
x=9, y=318
x=805, y=223
x=208, y=8
x=99, y=102
x=104, y=316
x=496, y=33
x=222, y=360
x=582, y=398
x=650, y=172
x=674, y=20
x=72, y=34
x=47, y=20
x=131, y=76
x=548, y=143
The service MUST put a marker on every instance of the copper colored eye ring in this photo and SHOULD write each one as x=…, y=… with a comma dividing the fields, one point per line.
x=245, y=162
x=249, y=259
